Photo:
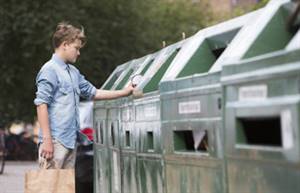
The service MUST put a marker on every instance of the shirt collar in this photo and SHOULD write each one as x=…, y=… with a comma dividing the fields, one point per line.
x=60, y=62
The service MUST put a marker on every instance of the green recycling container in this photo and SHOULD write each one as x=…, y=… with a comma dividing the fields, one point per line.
x=150, y=163
x=191, y=110
x=261, y=99
x=102, y=169
x=128, y=135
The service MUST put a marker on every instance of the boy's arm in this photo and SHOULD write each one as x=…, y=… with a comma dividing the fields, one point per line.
x=108, y=94
x=47, y=145
x=46, y=82
x=88, y=91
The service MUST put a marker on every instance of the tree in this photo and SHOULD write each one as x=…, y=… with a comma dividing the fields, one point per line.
x=117, y=31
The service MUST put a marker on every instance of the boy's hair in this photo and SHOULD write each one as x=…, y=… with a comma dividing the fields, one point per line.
x=67, y=32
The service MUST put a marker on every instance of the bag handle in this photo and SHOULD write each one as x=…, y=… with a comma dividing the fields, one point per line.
x=44, y=164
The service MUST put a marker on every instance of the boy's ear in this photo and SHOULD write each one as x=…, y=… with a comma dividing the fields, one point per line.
x=64, y=44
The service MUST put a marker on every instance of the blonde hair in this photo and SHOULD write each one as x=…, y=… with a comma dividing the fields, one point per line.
x=67, y=32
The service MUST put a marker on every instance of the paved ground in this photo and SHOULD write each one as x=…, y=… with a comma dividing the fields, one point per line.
x=12, y=180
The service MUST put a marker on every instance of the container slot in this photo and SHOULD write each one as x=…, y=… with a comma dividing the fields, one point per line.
x=112, y=132
x=191, y=141
x=100, y=132
x=262, y=131
x=150, y=140
x=127, y=138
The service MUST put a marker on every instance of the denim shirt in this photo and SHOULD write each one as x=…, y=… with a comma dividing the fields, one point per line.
x=59, y=85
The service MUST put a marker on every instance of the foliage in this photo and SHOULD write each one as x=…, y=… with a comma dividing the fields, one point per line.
x=237, y=10
x=117, y=31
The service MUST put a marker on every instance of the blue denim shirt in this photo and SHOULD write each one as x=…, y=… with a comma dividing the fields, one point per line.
x=59, y=85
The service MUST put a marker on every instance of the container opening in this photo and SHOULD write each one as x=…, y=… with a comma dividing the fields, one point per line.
x=293, y=22
x=150, y=140
x=113, y=79
x=207, y=53
x=97, y=138
x=127, y=138
x=218, y=52
x=125, y=79
x=276, y=29
x=112, y=132
x=263, y=131
x=100, y=132
x=191, y=141
x=152, y=85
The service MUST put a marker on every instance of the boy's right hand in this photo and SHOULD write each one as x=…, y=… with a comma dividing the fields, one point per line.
x=47, y=149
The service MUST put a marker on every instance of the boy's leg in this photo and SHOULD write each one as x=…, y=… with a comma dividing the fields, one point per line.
x=70, y=159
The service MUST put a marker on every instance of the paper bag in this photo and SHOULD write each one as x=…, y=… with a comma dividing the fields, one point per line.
x=50, y=181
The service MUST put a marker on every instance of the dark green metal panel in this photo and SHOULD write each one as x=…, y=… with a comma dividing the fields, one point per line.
x=146, y=67
x=207, y=53
x=111, y=82
x=153, y=83
x=201, y=61
x=274, y=37
x=125, y=79
x=222, y=40
x=114, y=76
x=129, y=69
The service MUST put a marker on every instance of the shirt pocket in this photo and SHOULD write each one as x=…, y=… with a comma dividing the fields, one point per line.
x=65, y=95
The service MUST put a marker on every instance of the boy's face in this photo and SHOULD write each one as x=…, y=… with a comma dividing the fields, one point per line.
x=72, y=51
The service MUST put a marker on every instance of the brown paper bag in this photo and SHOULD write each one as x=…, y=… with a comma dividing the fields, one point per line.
x=50, y=181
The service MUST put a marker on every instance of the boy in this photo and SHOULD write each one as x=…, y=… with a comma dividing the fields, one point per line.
x=59, y=86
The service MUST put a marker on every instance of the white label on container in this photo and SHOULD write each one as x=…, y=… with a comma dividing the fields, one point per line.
x=116, y=172
x=150, y=111
x=189, y=107
x=287, y=129
x=250, y=93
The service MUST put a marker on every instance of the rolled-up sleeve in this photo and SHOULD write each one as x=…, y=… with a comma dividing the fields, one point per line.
x=87, y=90
x=46, y=81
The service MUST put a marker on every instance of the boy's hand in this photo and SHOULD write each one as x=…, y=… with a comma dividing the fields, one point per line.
x=129, y=89
x=47, y=149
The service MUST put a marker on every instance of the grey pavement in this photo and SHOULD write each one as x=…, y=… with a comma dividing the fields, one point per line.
x=12, y=180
